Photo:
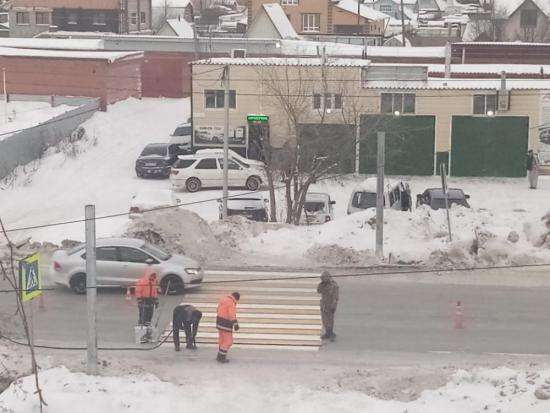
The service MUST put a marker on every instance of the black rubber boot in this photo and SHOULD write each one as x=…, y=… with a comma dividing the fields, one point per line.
x=222, y=358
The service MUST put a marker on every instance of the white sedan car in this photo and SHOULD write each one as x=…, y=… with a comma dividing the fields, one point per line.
x=194, y=172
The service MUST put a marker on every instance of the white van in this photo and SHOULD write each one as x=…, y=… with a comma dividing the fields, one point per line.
x=364, y=197
x=317, y=209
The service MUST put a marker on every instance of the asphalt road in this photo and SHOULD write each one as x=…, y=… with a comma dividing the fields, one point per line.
x=504, y=312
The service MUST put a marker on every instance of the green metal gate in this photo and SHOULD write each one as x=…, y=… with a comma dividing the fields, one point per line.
x=410, y=144
x=489, y=146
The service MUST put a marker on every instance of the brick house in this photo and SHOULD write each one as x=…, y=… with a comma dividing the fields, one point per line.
x=31, y=17
x=325, y=16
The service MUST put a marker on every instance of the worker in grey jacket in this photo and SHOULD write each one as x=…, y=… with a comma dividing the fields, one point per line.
x=329, y=290
x=186, y=318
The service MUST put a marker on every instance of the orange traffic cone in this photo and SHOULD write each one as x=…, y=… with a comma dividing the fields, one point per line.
x=128, y=296
x=459, y=316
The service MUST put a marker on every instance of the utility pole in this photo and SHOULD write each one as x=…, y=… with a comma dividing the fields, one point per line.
x=381, y=141
x=359, y=17
x=91, y=290
x=225, y=142
x=357, y=144
x=5, y=95
x=403, y=23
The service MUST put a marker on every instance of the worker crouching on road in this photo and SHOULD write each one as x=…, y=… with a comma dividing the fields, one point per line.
x=147, y=299
x=329, y=290
x=226, y=322
x=186, y=317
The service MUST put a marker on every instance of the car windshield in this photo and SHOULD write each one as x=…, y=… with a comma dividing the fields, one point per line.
x=314, y=206
x=157, y=252
x=240, y=163
x=76, y=249
x=160, y=150
x=364, y=200
x=184, y=163
x=183, y=131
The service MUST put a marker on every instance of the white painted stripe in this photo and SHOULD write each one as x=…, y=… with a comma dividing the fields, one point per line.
x=274, y=316
x=263, y=273
x=264, y=336
x=271, y=325
x=257, y=346
x=253, y=306
x=247, y=287
x=215, y=297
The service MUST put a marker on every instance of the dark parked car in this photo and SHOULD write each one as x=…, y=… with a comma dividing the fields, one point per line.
x=156, y=159
x=435, y=198
x=252, y=208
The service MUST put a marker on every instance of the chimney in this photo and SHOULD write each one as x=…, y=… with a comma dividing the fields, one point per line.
x=448, y=60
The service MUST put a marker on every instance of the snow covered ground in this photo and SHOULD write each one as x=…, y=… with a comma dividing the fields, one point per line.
x=17, y=115
x=495, y=390
x=103, y=174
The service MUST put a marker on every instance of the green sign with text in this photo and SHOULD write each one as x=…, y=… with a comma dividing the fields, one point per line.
x=257, y=118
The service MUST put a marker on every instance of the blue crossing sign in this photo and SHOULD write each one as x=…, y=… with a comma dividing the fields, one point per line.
x=30, y=280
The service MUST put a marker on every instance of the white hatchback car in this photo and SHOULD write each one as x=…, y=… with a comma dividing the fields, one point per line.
x=205, y=170
x=151, y=199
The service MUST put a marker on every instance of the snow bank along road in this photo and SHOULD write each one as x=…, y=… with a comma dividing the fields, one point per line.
x=505, y=311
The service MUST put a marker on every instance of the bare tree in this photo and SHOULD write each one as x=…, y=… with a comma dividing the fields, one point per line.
x=10, y=275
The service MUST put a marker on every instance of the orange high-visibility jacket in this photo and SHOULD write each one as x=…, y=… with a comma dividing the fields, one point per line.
x=145, y=288
x=227, y=313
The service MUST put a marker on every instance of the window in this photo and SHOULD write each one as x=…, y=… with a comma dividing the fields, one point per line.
x=143, y=17
x=183, y=163
x=238, y=53
x=133, y=255
x=133, y=18
x=72, y=18
x=528, y=18
x=316, y=101
x=22, y=17
x=311, y=22
x=214, y=99
x=42, y=18
x=209, y=163
x=289, y=2
x=327, y=101
x=386, y=8
x=100, y=19
x=106, y=254
x=397, y=102
x=483, y=104
x=337, y=101
x=231, y=165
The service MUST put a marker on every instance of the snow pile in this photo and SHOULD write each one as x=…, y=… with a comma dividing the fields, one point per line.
x=179, y=231
x=496, y=390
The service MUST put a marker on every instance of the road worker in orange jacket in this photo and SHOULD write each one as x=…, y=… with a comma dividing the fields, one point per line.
x=226, y=322
x=147, y=299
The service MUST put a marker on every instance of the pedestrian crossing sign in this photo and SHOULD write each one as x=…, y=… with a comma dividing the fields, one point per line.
x=30, y=281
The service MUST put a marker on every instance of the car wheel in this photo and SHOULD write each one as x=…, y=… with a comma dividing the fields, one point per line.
x=139, y=174
x=171, y=285
x=78, y=283
x=253, y=183
x=193, y=184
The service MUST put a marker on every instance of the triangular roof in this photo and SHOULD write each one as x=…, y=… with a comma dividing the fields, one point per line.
x=181, y=27
x=511, y=6
x=276, y=14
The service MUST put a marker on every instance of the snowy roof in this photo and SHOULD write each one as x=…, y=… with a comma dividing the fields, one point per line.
x=422, y=52
x=66, y=54
x=515, y=44
x=53, y=44
x=282, y=61
x=181, y=27
x=366, y=11
x=491, y=68
x=510, y=6
x=281, y=23
x=464, y=84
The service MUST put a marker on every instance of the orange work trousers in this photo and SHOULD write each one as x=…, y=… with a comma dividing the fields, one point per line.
x=225, y=340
